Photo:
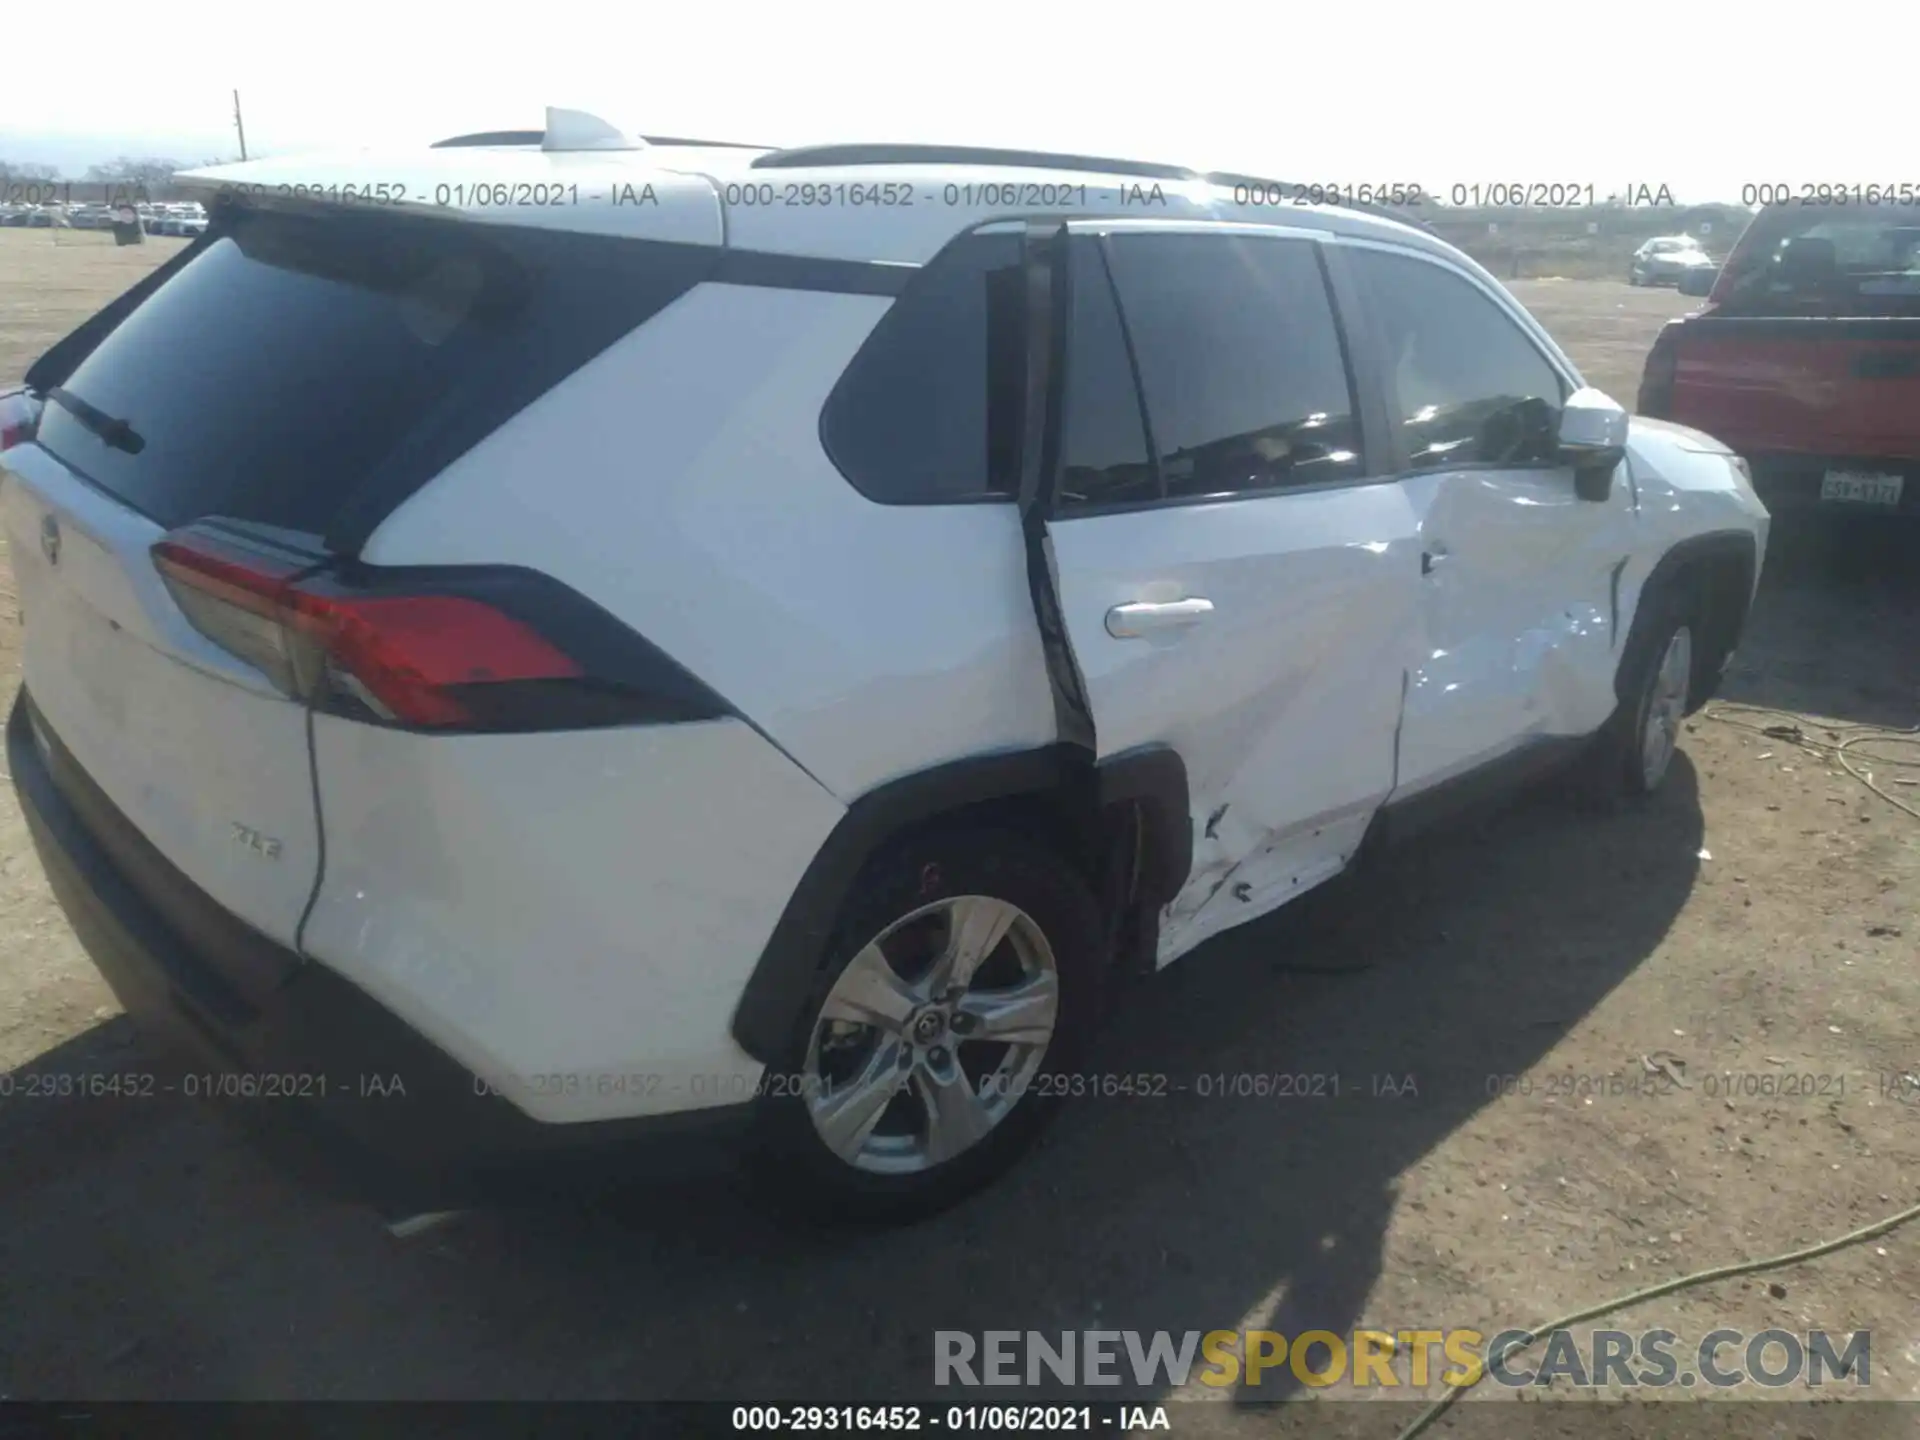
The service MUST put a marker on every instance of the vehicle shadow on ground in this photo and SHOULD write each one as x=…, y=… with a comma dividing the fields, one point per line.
x=166, y=1261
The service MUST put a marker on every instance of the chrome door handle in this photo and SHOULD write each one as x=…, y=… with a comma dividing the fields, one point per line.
x=1131, y=622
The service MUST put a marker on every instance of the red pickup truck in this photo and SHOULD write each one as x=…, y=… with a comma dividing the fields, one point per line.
x=1805, y=359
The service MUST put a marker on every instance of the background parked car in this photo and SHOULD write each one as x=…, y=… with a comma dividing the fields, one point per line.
x=1665, y=258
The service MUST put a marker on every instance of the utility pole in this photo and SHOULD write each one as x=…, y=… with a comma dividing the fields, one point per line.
x=239, y=125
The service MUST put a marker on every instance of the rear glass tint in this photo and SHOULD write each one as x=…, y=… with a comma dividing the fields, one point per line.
x=929, y=411
x=311, y=371
x=1861, y=260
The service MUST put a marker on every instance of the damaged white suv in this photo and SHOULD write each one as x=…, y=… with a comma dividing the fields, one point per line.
x=561, y=645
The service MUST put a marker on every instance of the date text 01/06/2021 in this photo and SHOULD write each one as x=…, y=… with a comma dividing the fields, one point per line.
x=960, y=1419
x=197, y=1085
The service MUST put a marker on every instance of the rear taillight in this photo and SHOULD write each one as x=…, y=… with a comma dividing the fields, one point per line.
x=1656, y=380
x=435, y=649
x=409, y=656
x=237, y=592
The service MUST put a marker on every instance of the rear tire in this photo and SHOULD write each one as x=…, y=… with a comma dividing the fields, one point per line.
x=1633, y=752
x=961, y=988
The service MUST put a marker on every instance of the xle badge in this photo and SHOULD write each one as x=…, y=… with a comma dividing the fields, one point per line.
x=264, y=845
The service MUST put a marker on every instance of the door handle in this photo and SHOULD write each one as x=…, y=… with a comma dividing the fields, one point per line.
x=1432, y=560
x=1142, y=618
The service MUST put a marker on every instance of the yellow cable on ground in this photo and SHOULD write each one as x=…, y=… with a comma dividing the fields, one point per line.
x=1792, y=729
x=1668, y=1287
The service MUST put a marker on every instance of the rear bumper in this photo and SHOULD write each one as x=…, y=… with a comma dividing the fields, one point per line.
x=1791, y=483
x=332, y=1081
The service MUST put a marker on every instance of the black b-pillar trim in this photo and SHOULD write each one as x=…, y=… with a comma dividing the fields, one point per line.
x=1044, y=260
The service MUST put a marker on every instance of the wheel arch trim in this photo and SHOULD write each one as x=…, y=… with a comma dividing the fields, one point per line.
x=1152, y=777
x=1716, y=545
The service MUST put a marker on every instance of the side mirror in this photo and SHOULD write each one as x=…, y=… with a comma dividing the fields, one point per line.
x=1698, y=281
x=1593, y=441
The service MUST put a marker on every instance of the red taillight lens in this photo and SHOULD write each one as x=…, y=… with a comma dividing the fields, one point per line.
x=1656, y=381
x=405, y=657
x=408, y=650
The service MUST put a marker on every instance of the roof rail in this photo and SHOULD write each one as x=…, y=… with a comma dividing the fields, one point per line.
x=705, y=144
x=885, y=154
x=491, y=137
x=965, y=155
x=535, y=137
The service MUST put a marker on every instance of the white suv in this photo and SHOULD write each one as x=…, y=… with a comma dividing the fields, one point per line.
x=574, y=646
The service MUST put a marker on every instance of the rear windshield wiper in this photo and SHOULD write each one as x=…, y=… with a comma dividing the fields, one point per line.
x=115, y=432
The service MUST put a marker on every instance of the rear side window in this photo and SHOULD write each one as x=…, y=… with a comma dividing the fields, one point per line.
x=1842, y=260
x=928, y=412
x=311, y=371
x=1470, y=384
x=1240, y=362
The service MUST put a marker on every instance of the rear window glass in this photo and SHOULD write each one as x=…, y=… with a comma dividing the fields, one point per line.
x=1827, y=260
x=311, y=371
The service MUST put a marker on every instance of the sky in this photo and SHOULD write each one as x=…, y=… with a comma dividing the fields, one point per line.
x=1701, y=99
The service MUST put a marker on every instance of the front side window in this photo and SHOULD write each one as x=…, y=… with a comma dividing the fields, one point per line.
x=1470, y=385
x=1104, y=458
x=1240, y=362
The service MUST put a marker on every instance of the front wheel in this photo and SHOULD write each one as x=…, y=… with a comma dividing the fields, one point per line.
x=1633, y=753
x=1662, y=707
x=959, y=994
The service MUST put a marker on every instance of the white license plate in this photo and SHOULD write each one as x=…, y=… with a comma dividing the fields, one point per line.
x=1859, y=487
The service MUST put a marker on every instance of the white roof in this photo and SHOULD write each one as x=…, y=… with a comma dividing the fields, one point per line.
x=896, y=204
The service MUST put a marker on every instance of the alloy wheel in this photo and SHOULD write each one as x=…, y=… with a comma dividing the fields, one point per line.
x=931, y=1035
x=1666, y=708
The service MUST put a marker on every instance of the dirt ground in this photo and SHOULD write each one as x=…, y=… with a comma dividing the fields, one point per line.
x=1758, y=920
